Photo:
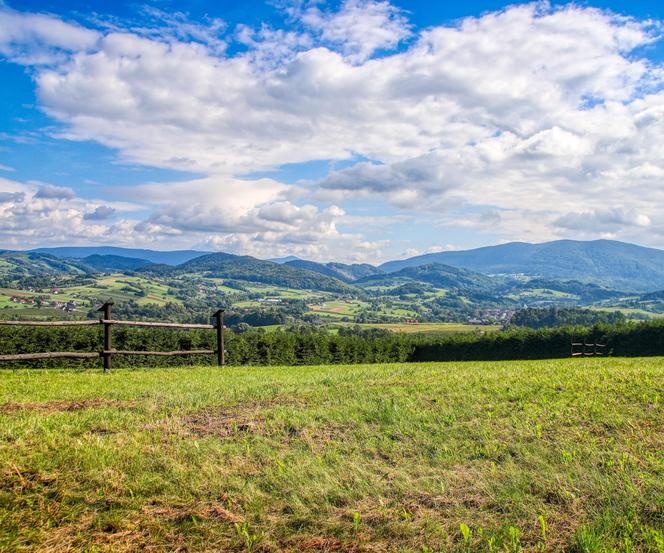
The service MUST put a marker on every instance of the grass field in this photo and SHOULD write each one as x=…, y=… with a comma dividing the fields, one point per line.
x=519, y=456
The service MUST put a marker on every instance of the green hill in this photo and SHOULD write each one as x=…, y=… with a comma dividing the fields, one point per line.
x=30, y=264
x=114, y=263
x=436, y=274
x=612, y=264
x=342, y=271
x=224, y=265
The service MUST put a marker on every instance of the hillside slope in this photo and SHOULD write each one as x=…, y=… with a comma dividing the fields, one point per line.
x=30, y=264
x=225, y=265
x=342, y=271
x=98, y=262
x=436, y=274
x=614, y=264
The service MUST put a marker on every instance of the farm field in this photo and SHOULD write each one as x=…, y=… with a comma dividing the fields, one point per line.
x=511, y=456
x=429, y=328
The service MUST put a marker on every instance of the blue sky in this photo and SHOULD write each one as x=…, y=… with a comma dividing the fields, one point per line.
x=359, y=130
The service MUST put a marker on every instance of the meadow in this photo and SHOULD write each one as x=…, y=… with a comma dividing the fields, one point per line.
x=560, y=455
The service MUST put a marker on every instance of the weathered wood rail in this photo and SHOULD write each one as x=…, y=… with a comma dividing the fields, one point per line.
x=107, y=352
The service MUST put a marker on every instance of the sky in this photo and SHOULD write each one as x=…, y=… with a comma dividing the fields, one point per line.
x=351, y=130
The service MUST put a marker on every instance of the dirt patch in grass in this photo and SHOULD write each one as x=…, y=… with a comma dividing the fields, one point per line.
x=183, y=512
x=321, y=435
x=224, y=422
x=325, y=545
x=246, y=417
x=57, y=406
x=17, y=481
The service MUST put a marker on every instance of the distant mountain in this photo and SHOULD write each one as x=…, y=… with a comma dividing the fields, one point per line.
x=616, y=265
x=283, y=260
x=175, y=257
x=355, y=271
x=347, y=273
x=224, y=265
x=436, y=274
x=114, y=263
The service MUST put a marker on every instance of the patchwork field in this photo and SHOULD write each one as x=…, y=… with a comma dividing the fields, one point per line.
x=519, y=456
x=429, y=328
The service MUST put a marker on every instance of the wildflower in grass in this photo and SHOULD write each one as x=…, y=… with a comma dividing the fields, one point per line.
x=251, y=539
x=357, y=520
x=515, y=541
x=466, y=533
x=542, y=524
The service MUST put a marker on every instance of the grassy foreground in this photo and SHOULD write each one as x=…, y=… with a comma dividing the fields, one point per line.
x=533, y=456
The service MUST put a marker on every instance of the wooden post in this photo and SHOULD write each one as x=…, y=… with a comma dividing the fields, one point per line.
x=106, y=310
x=219, y=324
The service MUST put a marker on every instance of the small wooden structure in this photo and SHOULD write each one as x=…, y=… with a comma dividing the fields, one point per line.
x=107, y=351
x=584, y=349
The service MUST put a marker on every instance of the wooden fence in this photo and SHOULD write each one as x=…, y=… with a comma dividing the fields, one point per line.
x=584, y=349
x=107, y=351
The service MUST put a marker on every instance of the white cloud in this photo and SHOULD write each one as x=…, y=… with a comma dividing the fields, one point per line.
x=34, y=215
x=524, y=115
x=40, y=38
x=49, y=192
x=608, y=220
x=100, y=213
x=360, y=27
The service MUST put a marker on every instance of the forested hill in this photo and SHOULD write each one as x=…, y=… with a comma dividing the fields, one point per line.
x=342, y=271
x=98, y=262
x=613, y=264
x=30, y=264
x=437, y=274
x=224, y=265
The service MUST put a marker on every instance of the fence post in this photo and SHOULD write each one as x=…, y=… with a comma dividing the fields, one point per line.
x=219, y=324
x=106, y=310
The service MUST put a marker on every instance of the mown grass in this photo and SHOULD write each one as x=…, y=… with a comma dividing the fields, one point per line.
x=533, y=456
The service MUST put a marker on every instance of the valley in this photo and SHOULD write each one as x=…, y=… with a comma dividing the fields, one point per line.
x=432, y=297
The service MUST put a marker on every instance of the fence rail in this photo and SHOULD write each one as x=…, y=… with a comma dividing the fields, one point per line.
x=584, y=349
x=107, y=352
x=49, y=323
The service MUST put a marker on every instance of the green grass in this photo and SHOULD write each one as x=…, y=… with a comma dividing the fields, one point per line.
x=532, y=456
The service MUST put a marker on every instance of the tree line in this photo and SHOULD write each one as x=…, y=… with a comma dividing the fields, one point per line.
x=306, y=346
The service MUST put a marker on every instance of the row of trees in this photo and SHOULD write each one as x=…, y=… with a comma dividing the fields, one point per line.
x=565, y=316
x=305, y=346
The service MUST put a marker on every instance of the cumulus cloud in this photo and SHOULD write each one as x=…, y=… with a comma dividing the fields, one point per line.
x=11, y=197
x=41, y=38
x=360, y=27
x=101, y=213
x=523, y=115
x=32, y=215
x=246, y=216
x=609, y=220
x=54, y=193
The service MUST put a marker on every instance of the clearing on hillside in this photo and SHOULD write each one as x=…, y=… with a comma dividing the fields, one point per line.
x=533, y=456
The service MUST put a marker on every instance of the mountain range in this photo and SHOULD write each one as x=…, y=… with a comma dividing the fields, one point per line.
x=610, y=264
x=152, y=256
